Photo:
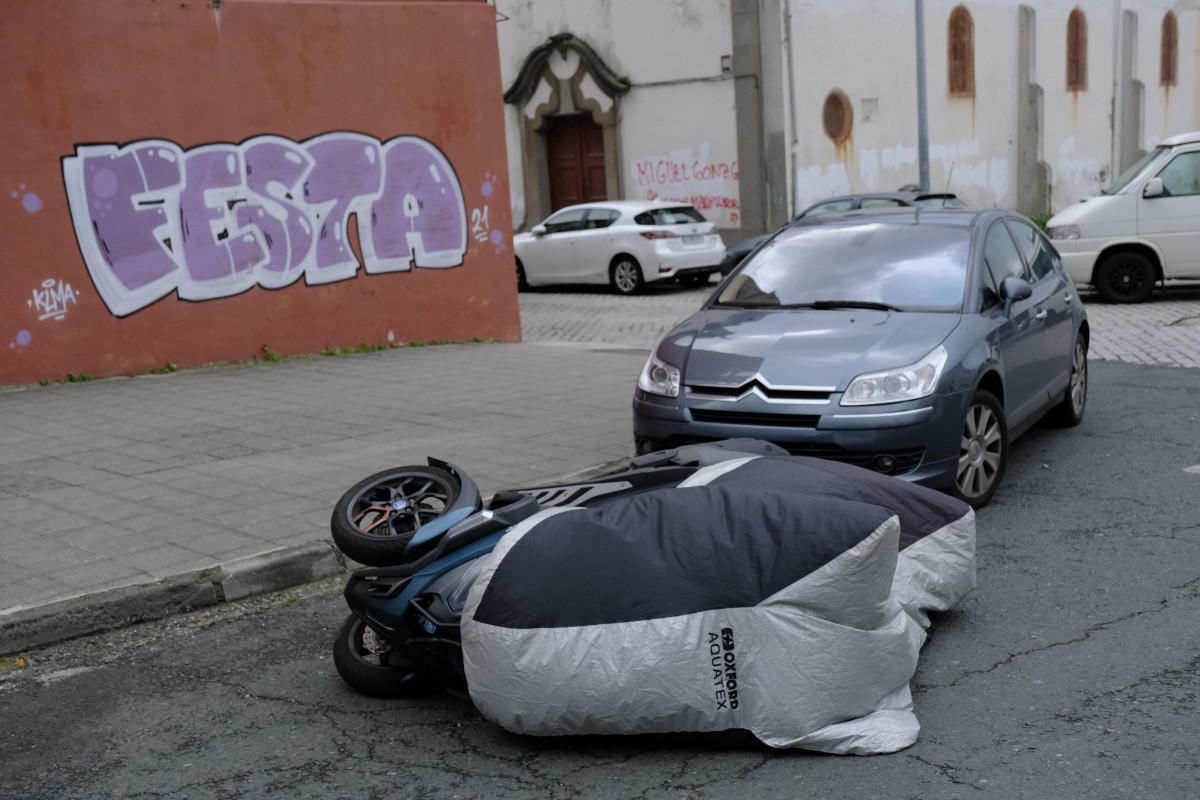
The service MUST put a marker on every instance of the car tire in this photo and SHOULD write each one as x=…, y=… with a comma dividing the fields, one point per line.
x=1069, y=412
x=625, y=275
x=522, y=284
x=983, y=454
x=1125, y=277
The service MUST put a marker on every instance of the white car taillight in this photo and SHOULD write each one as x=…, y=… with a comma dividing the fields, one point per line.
x=658, y=235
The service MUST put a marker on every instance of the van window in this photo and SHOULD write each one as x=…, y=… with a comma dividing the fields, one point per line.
x=1182, y=176
x=1144, y=164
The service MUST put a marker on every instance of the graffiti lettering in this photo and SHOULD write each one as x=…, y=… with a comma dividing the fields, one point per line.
x=479, y=224
x=690, y=176
x=216, y=220
x=52, y=299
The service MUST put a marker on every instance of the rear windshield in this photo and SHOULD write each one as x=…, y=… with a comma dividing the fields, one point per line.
x=680, y=215
x=902, y=266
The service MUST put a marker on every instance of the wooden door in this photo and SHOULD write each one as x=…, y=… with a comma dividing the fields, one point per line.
x=575, y=148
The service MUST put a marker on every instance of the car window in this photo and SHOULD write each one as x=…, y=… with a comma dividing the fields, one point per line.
x=1181, y=177
x=681, y=215
x=908, y=267
x=1000, y=254
x=989, y=292
x=569, y=220
x=880, y=202
x=600, y=218
x=825, y=208
x=1037, y=253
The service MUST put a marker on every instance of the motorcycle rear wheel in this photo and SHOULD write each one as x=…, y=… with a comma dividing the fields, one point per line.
x=375, y=519
x=370, y=666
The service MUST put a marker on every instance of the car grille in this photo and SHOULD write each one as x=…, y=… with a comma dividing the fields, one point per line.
x=768, y=392
x=904, y=460
x=751, y=418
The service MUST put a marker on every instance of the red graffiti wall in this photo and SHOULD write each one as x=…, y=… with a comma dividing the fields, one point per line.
x=182, y=183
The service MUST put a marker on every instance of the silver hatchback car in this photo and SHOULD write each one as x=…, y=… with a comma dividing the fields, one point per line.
x=917, y=342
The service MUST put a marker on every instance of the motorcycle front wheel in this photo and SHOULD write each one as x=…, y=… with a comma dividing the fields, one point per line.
x=375, y=519
x=370, y=665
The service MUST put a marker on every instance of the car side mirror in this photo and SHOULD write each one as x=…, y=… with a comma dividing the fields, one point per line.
x=538, y=230
x=1153, y=188
x=1014, y=289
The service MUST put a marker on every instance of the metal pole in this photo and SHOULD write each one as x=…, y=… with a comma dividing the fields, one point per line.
x=922, y=111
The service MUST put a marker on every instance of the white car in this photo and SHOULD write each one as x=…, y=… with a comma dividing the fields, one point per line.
x=1144, y=229
x=625, y=244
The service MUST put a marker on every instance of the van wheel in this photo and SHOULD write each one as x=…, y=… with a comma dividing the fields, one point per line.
x=1125, y=277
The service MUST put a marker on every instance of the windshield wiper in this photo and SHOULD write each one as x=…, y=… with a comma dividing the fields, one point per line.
x=853, y=304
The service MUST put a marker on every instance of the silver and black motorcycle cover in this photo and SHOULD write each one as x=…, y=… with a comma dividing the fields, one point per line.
x=783, y=596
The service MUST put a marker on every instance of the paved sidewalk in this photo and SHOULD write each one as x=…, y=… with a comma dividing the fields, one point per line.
x=125, y=498
x=130, y=498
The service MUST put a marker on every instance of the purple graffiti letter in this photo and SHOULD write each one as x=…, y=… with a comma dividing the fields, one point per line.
x=421, y=216
x=220, y=254
x=346, y=177
x=275, y=172
x=122, y=204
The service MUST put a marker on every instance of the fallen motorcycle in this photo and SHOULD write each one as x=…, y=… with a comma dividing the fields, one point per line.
x=425, y=529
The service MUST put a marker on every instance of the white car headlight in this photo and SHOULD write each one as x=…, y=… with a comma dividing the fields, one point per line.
x=659, y=377
x=897, y=385
x=1063, y=232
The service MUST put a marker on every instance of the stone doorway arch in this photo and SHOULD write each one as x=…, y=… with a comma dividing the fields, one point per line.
x=564, y=77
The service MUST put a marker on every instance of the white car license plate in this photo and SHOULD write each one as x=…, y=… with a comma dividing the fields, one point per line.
x=693, y=240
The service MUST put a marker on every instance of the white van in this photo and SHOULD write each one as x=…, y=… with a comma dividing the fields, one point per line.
x=1145, y=228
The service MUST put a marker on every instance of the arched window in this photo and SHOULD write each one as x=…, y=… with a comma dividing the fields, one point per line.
x=1170, y=50
x=1077, y=61
x=960, y=52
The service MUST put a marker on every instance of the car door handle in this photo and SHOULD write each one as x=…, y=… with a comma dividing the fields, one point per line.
x=1041, y=314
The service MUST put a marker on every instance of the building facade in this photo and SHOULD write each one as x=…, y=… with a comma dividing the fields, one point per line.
x=754, y=109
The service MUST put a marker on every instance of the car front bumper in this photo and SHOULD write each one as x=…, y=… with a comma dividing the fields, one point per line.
x=918, y=441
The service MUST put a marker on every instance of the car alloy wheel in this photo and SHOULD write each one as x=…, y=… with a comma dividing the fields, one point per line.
x=1070, y=411
x=626, y=275
x=984, y=451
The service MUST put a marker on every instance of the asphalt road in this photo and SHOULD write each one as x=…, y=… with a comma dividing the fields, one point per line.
x=1072, y=671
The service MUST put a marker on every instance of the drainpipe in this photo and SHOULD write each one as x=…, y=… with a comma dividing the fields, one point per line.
x=791, y=95
x=922, y=107
x=1118, y=102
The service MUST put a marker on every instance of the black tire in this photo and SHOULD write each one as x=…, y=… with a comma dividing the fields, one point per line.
x=1069, y=412
x=369, y=526
x=694, y=281
x=1125, y=277
x=368, y=664
x=983, y=455
x=625, y=275
x=522, y=284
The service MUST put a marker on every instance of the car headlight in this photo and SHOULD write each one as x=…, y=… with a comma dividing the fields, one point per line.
x=897, y=385
x=1063, y=232
x=659, y=377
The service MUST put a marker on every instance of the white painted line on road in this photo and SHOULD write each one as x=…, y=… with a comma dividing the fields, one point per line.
x=1193, y=470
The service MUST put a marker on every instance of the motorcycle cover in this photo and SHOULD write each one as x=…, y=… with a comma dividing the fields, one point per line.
x=783, y=596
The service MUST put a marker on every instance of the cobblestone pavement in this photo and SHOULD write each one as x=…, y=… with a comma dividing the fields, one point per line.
x=1164, y=331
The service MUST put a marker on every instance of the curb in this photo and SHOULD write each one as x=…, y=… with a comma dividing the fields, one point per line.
x=29, y=627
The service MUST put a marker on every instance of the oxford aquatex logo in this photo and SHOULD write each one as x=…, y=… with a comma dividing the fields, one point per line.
x=722, y=652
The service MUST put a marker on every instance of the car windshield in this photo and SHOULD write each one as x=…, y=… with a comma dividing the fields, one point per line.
x=680, y=215
x=1144, y=164
x=884, y=265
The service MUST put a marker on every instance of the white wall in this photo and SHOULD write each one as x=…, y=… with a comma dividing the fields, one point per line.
x=677, y=124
